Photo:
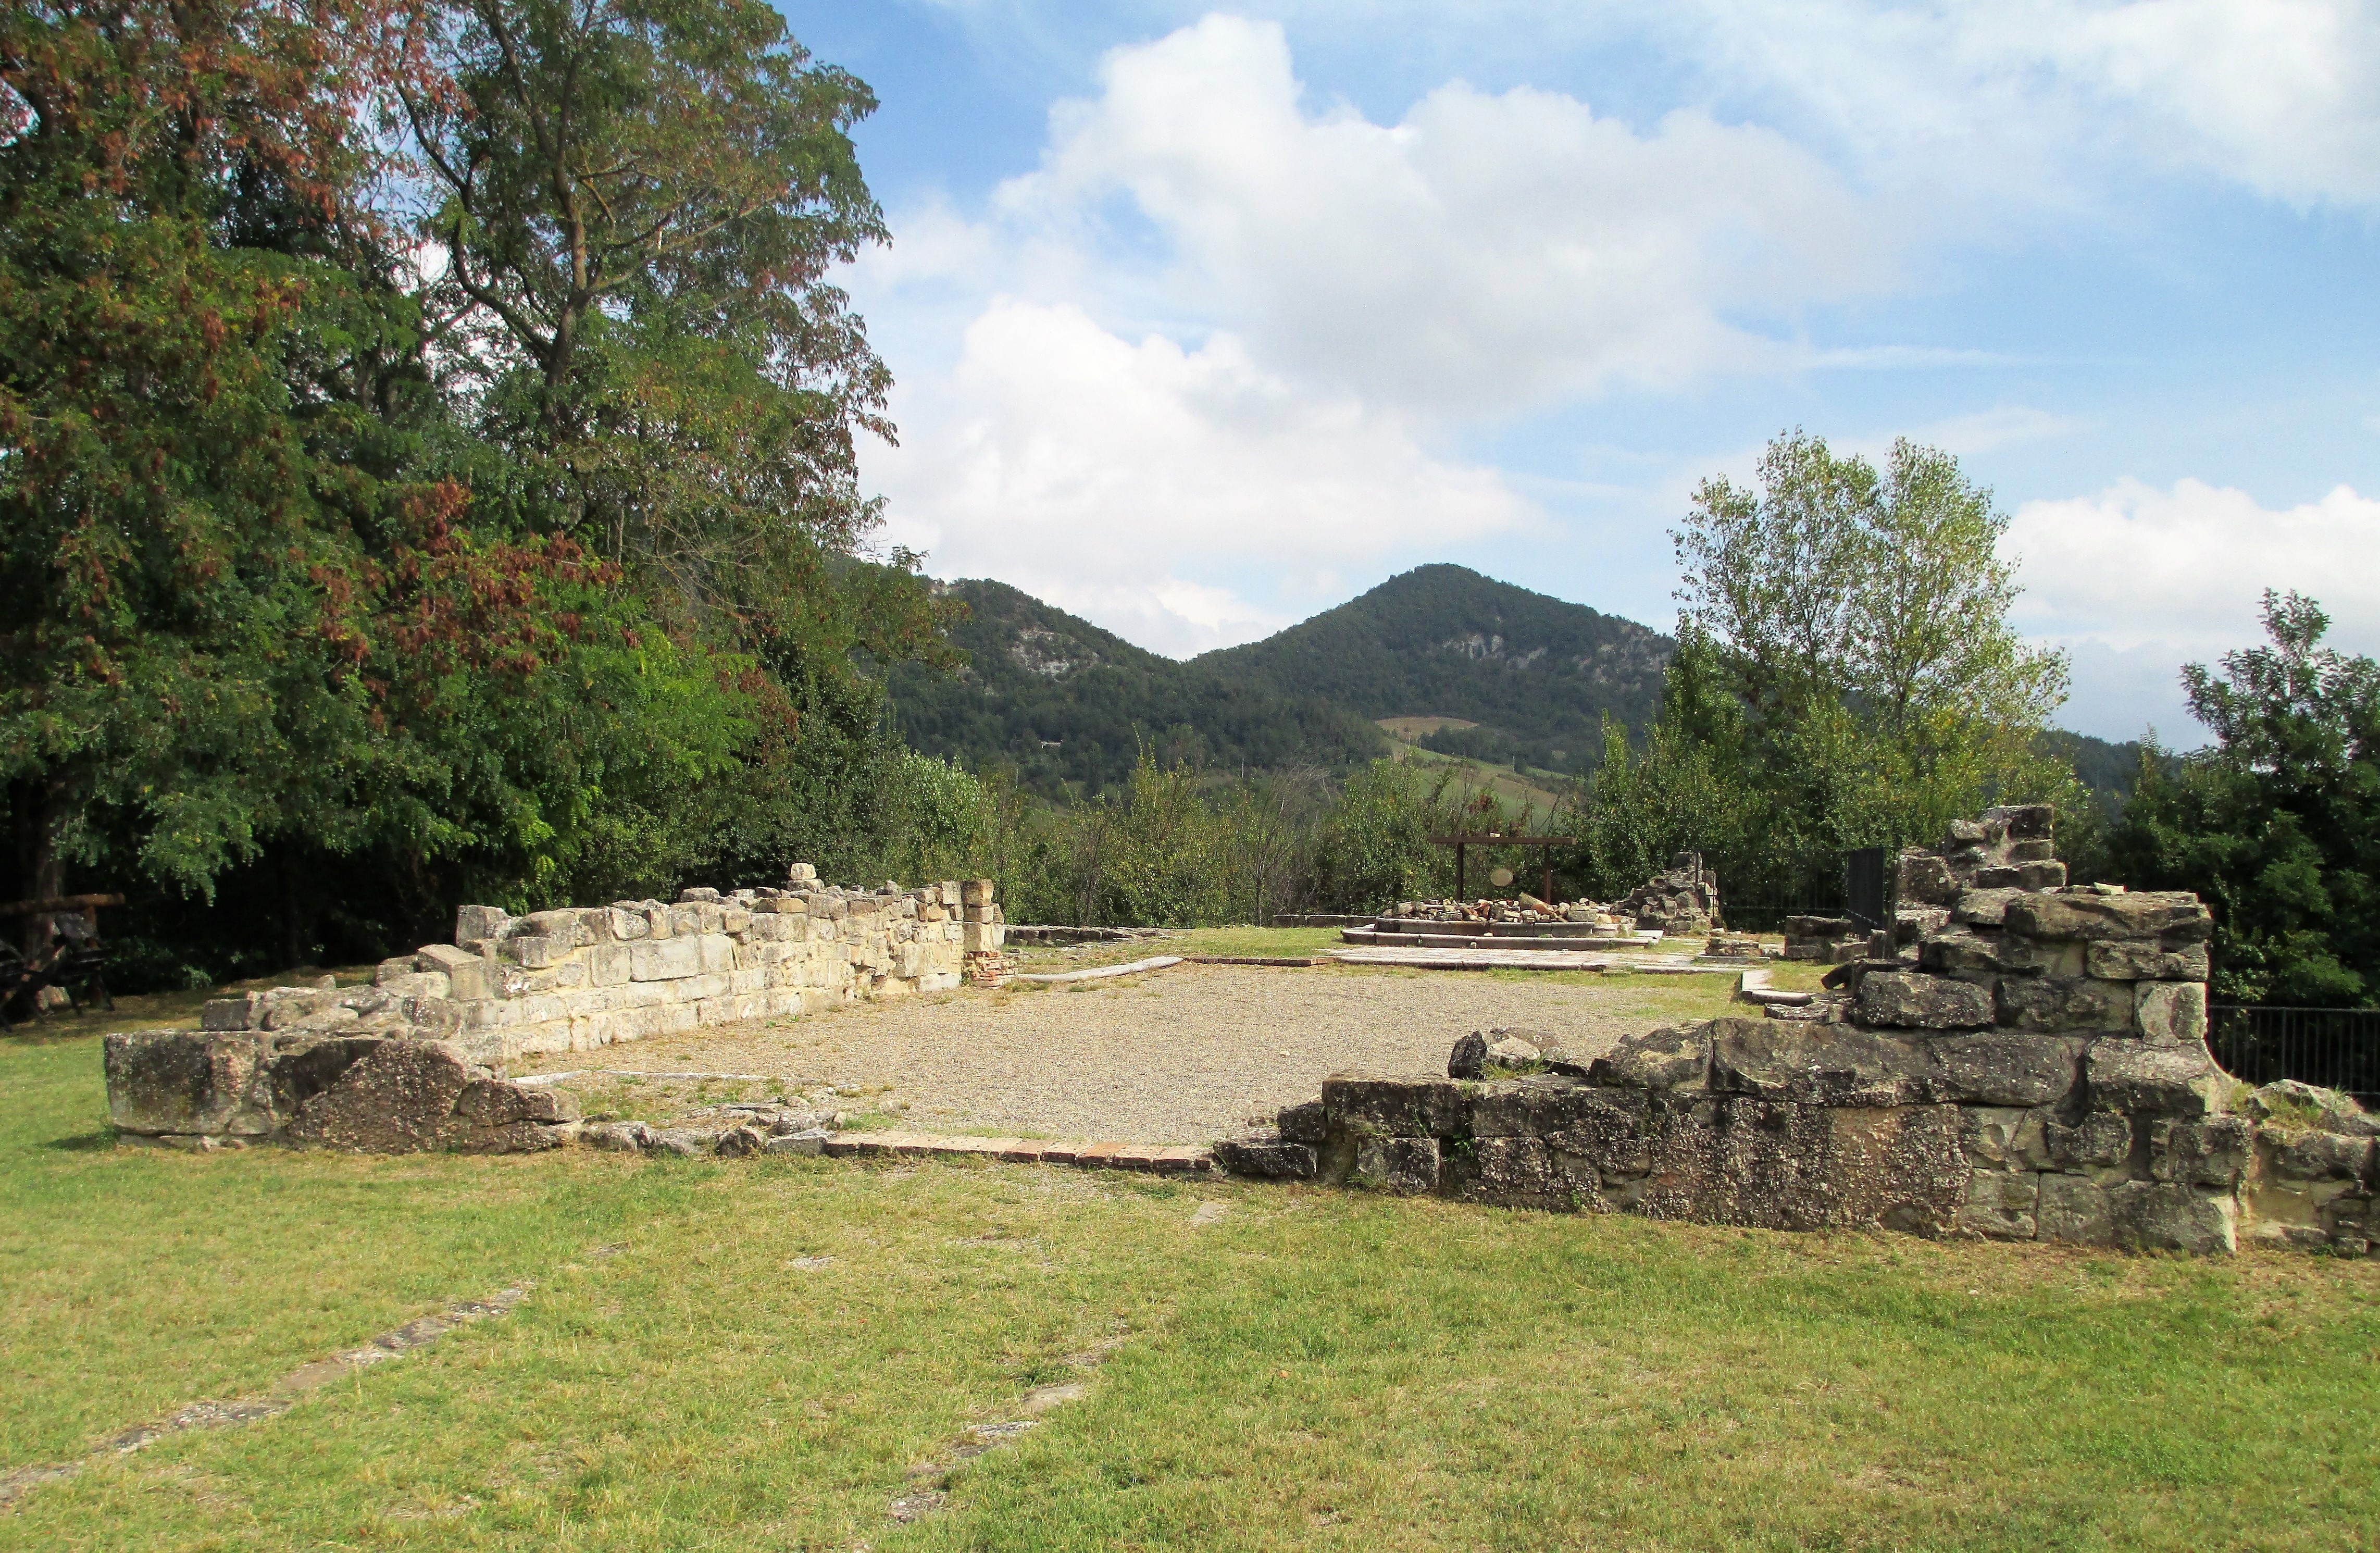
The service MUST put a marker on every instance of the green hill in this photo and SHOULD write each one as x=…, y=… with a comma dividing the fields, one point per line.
x=1536, y=673
x=1069, y=704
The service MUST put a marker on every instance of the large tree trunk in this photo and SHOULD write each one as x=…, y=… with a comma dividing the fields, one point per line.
x=41, y=812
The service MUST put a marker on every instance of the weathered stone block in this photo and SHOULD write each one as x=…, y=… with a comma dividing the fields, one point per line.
x=2075, y=1209
x=2147, y=960
x=1395, y=1106
x=976, y=893
x=468, y=977
x=1406, y=1166
x=665, y=959
x=2305, y=1154
x=494, y=1102
x=2165, y=1215
x=1922, y=1002
x=480, y=922
x=1816, y=1064
x=1960, y=955
x=2099, y=1144
x=1517, y=1172
x=398, y=1100
x=2215, y=1151
x=2001, y=1204
x=1925, y=879
x=2171, y=1012
x=1537, y=1107
x=1266, y=1157
x=2051, y=959
x=1997, y=1068
x=1664, y=1059
x=182, y=1082
x=2130, y=1075
x=2029, y=1004
x=1302, y=1124
x=1736, y=1161
x=245, y=1012
x=533, y=950
x=2004, y=1138
x=2086, y=915
x=1983, y=908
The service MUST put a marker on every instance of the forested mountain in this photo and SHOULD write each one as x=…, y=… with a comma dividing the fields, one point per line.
x=1070, y=705
x=1536, y=673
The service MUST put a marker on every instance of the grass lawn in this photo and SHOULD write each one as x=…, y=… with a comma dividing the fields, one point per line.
x=767, y=1355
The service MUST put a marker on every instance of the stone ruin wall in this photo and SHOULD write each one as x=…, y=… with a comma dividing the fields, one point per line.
x=2036, y=1070
x=290, y=1065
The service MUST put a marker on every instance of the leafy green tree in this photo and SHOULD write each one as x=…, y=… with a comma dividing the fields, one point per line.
x=2277, y=823
x=1845, y=662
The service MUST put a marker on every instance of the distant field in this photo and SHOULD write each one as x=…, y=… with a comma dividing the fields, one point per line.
x=1411, y=728
x=1511, y=786
x=772, y=1355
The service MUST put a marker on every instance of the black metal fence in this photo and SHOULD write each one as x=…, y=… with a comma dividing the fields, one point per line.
x=2337, y=1048
x=1766, y=914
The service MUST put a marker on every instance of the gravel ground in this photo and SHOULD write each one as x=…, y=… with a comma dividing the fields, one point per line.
x=1182, y=1055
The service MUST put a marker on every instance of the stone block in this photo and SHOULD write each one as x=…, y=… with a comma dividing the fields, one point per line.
x=1664, y=1059
x=976, y=893
x=2166, y=1216
x=2215, y=1151
x=1738, y=1161
x=245, y=1012
x=494, y=1102
x=2305, y=1154
x=1513, y=1172
x=1999, y=1068
x=1925, y=879
x=2004, y=1138
x=417, y=984
x=2134, y=915
x=2001, y=1204
x=2028, y=1004
x=1395, y=1106
x=2049, y=959
x=2099, y=1145
x=609, y=964
x=1922, y=1002
x=665, y=959
x=1266, y=1157
x=1960, y=955
x=398, y=1100
x=1302, y=1124
x=470, y=977
x=186, y=1082
x=976, y=938
x=1541, y=1106
x=2171, y=1012
x=807, y=1143
x=533, y=950
x=1983, y=908
x=480, y=922
x=1818, y=1064
x=2074, y=1210
x=2147, y=960
x=2129, y=1076
x=1405, y=1166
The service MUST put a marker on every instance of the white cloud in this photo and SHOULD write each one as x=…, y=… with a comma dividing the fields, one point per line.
x=1485, y=250
x=2137, y=581
x=2282, y=96
x=1183, y=498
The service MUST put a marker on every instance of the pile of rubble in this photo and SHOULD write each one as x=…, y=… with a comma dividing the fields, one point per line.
x=1523, y=909
x=2036, y=1070
x=1682, y=900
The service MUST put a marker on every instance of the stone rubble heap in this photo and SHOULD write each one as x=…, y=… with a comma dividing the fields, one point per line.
x=565, y=981
x=1682, y=900
x=2039, y=1071
x=1525, y=909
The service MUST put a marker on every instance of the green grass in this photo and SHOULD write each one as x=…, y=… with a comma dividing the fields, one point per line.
x=1316, y=1370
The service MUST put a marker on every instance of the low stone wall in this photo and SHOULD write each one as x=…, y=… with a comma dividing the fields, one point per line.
x=2038, y=1070
x=565, y=981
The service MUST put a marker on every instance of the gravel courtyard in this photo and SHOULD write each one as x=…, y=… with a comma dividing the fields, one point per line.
x=1182, y=1055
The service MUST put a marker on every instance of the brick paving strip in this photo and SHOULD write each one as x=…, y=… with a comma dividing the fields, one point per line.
x=1179, y=1159
x=282, y=1396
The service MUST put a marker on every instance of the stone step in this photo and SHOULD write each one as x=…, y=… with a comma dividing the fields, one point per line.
x=1164, y=1160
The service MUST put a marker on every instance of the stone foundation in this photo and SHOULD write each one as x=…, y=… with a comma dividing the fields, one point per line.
x=508, y=986
x=2037, y=1070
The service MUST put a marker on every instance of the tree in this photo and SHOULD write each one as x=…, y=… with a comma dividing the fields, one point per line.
x=2277, y=823
x=1845, y=654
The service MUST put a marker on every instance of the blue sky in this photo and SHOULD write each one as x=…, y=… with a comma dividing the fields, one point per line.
x=1206, y=321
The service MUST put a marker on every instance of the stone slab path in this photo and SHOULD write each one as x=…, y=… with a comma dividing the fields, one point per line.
x=1109, y=1154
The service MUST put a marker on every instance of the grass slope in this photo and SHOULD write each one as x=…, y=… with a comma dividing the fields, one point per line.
x=775, y=1352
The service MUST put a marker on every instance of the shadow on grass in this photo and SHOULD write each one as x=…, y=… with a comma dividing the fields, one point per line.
x=84, y=1143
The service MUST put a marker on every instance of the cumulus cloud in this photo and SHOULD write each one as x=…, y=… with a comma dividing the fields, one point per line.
x=2136, y=581
x=1183, y=498
x=2282, y=96
x=1484, y=250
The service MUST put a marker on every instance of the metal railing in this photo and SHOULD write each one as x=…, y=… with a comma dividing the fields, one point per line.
x=1766, y=914
x=2335, y=1047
